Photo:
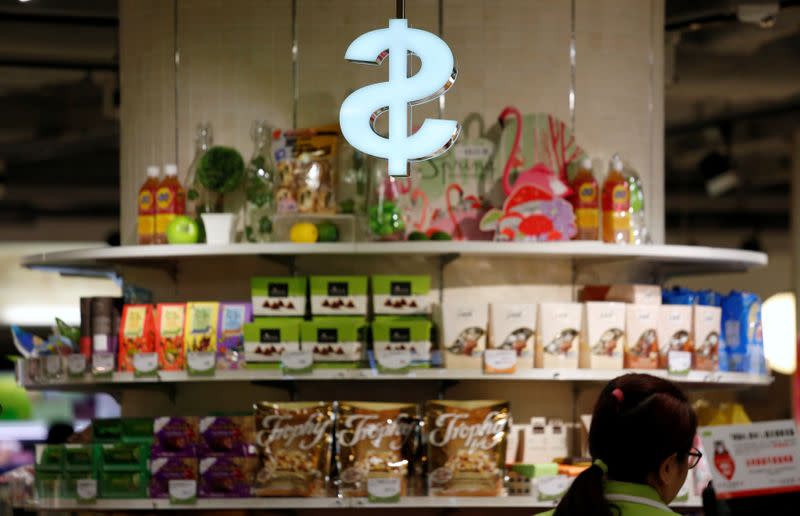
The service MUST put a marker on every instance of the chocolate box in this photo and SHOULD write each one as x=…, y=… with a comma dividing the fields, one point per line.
x=464, y=341
x=339, y=295
x=641, y=342
x=707, y=326
x=278, y=296
x=175, y=436
x=226, y=435
x=513, y=326
x=403, y=333
x=164, y=469
x=226, y=477
x=604, y=343
x=674, y=332
x=334, y=340
x=267, y=338
x=401, y=295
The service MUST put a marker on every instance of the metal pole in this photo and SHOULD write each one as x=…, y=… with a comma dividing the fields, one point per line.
x=401, y=9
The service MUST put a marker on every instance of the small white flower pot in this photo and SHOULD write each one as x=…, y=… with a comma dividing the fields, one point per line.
x=219, y=228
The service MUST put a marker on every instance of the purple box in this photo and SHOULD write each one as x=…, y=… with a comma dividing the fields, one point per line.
x=164, y=469
x=226, y=435
x=230, y=333
x=226, y=477
x=175, y=436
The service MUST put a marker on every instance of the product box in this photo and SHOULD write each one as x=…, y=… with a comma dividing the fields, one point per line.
x=675, y=332
x=80, y=457
x=464, y=334
x=401, y=295
x=48, y=484
x=513, y=326
x=333, y=341
x=560, y=330
x=641, y=342
x=226, y=477
x=339, y=295
x=107, y=430
x=137, y=430
x=534, y=449
x=164, y=469
x=200, y=331
x=175, y=436
x=230, y=339
x=744, y=342
x=226, y=435
x=267, y=338
x=403, y=333
x=707, y=325
x=604, y=344
x=123, y=484
x=49, y=457
x=122, y=456
x=69, y=482
x=279, y=296
x=632, y=294
x=137, y=334
x=104, y=323
x=170, y=322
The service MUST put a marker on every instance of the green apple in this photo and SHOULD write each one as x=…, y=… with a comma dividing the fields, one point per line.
x=183, y=230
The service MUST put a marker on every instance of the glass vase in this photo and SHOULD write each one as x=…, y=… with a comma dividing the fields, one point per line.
x=260, y=175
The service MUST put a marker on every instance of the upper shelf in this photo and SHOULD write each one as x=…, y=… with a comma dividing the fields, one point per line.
x=686, y=259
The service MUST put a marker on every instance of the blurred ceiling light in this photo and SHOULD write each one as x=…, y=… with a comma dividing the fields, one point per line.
x=763, y=14
x=779, y=326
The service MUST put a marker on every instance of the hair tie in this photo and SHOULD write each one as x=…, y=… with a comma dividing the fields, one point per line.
x=617, y=393
x=602, y=465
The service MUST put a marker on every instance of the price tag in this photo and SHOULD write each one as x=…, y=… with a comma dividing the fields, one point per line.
x=182, y=491
x=201, y=363
x=394, y=361
x=76, y=365
x=52, y=365
x=102, y=364
x=552, y=488
x=499, y=361
x=145, y=364
x=86, y=489
x=679, y=362
x=383, y=490
x=297, y=362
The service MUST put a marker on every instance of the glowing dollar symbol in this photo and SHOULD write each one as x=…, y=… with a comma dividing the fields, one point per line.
x=362, y=108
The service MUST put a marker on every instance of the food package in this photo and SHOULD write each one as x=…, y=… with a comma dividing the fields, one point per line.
x=175, y=436
x=105, y=322
x=374, y=440
x=401, y=295
x=267, y=338
x=226, y=435
x=334, y=340
x=106, y=430
x=294, y=442
x=466, y=447
x=278, y=296
x=170, y=321
x=164, y=469
x=633, y=294
x=137, y=334
x=604, y=345
x=744, y=342
x=123, y=484
x=534, y=447
x=464, y=334
x=515, y=443
x=137, y=430
x=560, y=330
x=118, y=456
x=230, y=343
x=403, y=333
x=306, y=167
x=675, y=332
x=339, y=295
x=641, y=342
x=226, y=477
x=200, y=332
x=513, y=326
x=707, y=325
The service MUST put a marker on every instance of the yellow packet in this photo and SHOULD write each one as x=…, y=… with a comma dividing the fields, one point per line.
x=200, y=332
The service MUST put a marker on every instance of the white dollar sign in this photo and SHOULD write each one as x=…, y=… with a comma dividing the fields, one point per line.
x=361, y=109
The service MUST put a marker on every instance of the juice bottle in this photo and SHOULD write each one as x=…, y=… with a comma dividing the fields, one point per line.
x=616, y=205
x=170, y=202
x=146, y=222
x=586, y=202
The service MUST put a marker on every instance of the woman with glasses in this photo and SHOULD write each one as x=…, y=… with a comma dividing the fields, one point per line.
x=641, y=442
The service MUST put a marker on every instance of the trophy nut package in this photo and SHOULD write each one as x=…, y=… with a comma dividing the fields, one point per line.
x=466, y=447
x=294, y=444
x=374, y=440
x=136, y=334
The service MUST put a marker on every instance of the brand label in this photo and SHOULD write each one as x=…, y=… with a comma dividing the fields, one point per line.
x=338, y=289
x=327, y=335
x=164, y=198
x=278, y=290
x=587, y=193
x=482, y=435
x=400, y=288
x=145, y=200
x=232, y=320
x=171, y=321
x=375, y=428
x=134, y=321
x=270, y=335
x=399, y=335
x=307, y=434
x=621, y=197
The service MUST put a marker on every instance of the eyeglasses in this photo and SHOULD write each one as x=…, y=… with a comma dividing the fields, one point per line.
x=694, y=457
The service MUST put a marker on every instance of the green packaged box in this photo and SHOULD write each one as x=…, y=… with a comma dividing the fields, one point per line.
x=123, y=456
x=267, y=338
x=69, y=482
x=278, y=296
x=106, y=430
x=123, y=484
x=49, y=457
x=334, y=341
x=80, y=457
x=400, y=334
x=338, y=295
x=137, y=430
x=401, y=295
x=48, y=484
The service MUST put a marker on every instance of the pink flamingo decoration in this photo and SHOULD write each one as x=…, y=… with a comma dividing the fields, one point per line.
x=462, y=219
x=415, y=196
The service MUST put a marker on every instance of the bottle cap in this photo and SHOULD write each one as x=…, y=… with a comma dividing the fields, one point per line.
x=171, y=169
x=586, y=163
x=153, y=171
x=616, y=163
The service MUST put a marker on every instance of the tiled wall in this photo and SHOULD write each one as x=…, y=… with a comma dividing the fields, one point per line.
x=236, y=65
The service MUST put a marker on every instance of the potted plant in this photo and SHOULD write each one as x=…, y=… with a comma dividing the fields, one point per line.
x=220, y=172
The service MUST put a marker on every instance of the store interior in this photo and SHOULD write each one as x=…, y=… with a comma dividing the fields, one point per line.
x=190, y=161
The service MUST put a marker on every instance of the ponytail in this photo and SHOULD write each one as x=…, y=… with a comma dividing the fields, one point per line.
x=585, y=496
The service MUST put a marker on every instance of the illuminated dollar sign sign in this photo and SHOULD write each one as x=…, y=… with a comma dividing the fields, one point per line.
x=360, y=111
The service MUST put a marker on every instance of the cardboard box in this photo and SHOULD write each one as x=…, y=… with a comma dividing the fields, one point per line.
x=267, y=338
x=604, y=344
x=175, y=436
x=675, y=332
x=535, y=446
x=334, y=340
x=464, y=334
x=641, y=340
x=707, y=326
x=560, y=330
x=200, y=331
x=403, y=333
x=123, y=484
x=226, y=435
x=122, y=456
x=632, y=294
x=401, y=295
x=339, y=295
x=136, y=334
x=226, y=477
x=230, y=337
x=513, y=326
x=278, y=296
x=170, y=323
x=164, y=469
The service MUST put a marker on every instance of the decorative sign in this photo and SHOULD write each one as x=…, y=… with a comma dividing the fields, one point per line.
x=361, y=109
x=297, y=362
x=383, y=490
x=753, y=460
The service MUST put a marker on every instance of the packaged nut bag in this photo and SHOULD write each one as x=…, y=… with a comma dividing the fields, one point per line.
x=294, y=443
x=466, y=447
x=374, y=440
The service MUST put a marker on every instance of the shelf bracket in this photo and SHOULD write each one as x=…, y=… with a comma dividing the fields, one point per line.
x=287, y=261
x=443, y=386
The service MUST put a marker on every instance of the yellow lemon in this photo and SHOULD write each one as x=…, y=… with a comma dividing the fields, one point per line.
x=304, y=233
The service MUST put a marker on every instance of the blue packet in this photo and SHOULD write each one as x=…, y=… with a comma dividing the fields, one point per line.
x=741, y=325
x=709, y=298
x=679, y=296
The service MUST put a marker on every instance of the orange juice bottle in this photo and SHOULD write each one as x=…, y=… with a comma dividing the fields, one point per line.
x=170, y=202
x=146, y=222
x=616, y=205
x=586, y=202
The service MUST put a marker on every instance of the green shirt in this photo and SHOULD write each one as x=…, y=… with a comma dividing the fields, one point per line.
x=633, y=500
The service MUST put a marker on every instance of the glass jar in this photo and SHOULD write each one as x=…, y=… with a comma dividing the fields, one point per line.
x=198, y=198
x=385, y=215
x=260, y=176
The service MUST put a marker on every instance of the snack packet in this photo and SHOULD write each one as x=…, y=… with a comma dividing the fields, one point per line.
x=170, y=318
x=136, y=334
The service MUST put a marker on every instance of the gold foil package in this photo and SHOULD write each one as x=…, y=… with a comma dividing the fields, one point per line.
x=466, y=447
x=294, y=444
